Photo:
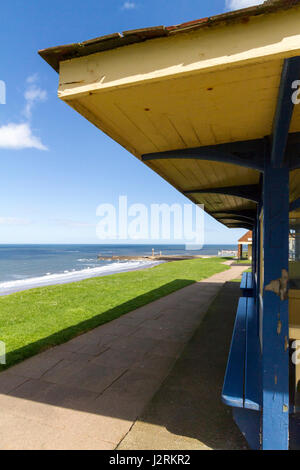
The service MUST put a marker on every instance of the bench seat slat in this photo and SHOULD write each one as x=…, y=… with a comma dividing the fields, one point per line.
x=252, y=392
x=243, y=284
x=247, y=284
x=250, y=282
x=233, y=389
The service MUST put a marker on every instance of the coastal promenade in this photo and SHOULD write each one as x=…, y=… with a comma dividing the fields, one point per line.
x=88, y=393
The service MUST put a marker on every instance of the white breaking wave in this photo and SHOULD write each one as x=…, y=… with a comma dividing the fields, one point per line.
x=10, y=287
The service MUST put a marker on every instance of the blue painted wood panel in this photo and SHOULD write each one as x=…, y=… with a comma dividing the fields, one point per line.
x=275, y=328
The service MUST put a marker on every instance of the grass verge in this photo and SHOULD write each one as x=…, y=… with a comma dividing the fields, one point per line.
x=34, y=320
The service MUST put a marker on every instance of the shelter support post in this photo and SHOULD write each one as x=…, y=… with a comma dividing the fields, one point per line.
x=275, y=329
x=240, y=251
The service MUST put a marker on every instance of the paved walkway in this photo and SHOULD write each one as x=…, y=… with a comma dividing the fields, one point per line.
x=187, y=413
x=88, y=393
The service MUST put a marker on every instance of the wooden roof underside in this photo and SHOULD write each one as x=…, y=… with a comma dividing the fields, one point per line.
x=202, y=88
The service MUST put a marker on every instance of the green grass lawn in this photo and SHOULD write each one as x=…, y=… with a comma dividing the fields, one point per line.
x=243, y=261
x=34, y=320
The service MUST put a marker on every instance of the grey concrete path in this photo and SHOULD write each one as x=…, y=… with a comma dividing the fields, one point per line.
x=88, y=393
x=187, y=413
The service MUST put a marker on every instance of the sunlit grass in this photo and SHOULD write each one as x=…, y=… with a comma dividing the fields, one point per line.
x=37, y=319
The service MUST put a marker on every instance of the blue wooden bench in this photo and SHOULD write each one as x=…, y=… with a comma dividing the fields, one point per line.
x=247, y=285
x=242, y=378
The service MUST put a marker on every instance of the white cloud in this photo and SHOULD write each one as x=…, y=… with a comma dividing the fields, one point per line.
x=14, y=221
x=237, y=4
x=19, y=136
x=32, y=95
x=128, y=5
x=32, y=78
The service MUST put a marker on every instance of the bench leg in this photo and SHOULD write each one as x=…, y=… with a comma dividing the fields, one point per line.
x=248, y=422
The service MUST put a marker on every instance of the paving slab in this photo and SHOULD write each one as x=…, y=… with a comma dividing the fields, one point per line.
x=34, y=367
x=89, y=392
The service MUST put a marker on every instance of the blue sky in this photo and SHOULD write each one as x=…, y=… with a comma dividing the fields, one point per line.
x=56, y=167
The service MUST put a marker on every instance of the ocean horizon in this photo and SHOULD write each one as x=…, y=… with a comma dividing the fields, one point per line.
x=24, y=266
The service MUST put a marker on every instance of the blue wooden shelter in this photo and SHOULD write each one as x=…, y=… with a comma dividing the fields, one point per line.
x=212, y=106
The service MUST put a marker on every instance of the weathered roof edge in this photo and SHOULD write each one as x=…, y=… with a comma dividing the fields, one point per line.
x=54, y=55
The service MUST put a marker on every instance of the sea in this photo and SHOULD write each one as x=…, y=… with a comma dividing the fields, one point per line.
x=27, y=266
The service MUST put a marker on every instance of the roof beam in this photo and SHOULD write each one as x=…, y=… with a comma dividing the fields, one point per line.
x=249, y=154
x=251, y=192
x=284, y=111
x=238, y=219
x=295, y=205
x=244, y=153
x=241, y=225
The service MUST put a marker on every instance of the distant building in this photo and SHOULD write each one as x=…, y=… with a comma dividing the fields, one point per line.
x=245, y=240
